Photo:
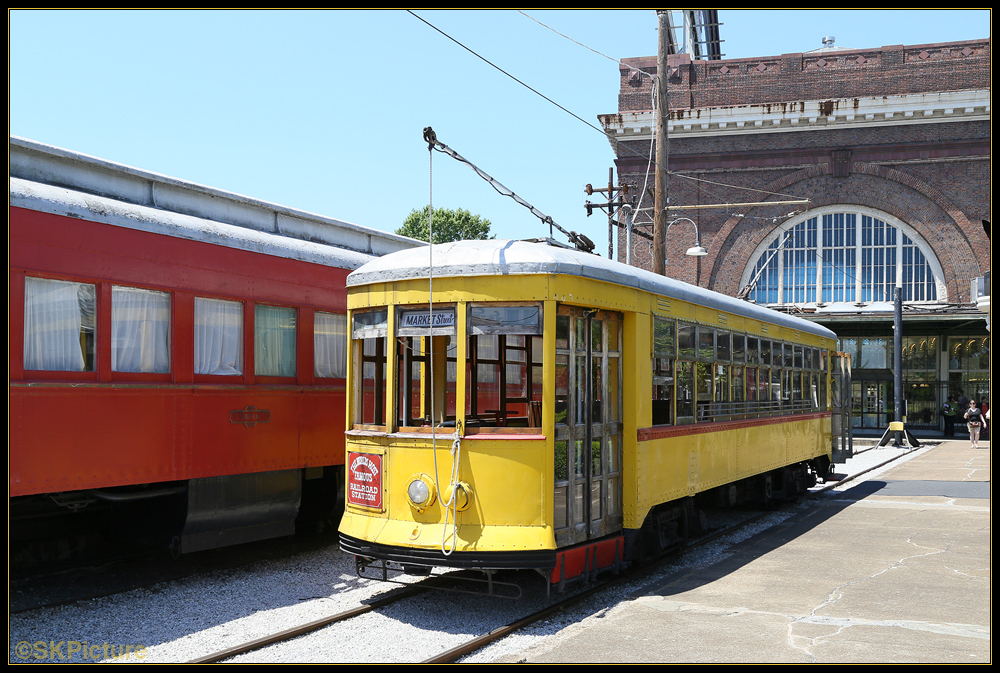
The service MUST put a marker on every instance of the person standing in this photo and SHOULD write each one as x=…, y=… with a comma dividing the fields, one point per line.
x=984, y=406
x=974, y=417
x=948, y=412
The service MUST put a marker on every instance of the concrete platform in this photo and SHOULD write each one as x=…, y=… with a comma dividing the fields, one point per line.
x=893, y=570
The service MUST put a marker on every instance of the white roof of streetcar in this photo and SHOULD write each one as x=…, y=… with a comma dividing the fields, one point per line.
x=497, y=257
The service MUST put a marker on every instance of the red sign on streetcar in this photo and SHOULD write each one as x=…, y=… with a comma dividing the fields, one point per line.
x=364, y=479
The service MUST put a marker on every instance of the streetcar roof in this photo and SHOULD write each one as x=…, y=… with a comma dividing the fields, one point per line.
x=497, y=257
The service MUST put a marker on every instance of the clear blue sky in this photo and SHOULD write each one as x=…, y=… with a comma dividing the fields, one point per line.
x=323, y=110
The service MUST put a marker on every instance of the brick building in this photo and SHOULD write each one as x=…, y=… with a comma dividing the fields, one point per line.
x=891, y=147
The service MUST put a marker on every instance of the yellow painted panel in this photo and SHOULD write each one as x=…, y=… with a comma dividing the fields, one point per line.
x=471, y=538
x=505, y=476
x=675, y=467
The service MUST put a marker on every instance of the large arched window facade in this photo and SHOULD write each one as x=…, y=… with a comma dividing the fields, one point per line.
x=843, y=254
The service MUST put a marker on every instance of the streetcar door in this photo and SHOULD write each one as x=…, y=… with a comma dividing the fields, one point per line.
x=841, y=404
x=588, y=450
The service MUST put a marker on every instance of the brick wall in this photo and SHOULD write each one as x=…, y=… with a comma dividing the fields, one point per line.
x=933, y=176
x=792, y=78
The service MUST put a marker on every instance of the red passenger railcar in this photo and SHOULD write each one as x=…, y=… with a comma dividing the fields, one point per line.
x=171, y=370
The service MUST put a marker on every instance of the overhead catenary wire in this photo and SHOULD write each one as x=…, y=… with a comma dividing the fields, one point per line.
x=649, y=156
x=618, y=145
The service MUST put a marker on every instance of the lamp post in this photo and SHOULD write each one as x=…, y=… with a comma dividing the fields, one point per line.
x=694, y=251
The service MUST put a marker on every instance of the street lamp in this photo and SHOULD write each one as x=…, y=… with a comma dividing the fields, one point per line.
x=696, y=250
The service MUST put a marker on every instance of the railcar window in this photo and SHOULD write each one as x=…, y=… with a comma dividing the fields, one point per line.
x=685, y=340
x=685, y=391
x=752, y=385
x=723, y=346
x=417, y=387
x=738, y=391
x=369, y=331
x=140, y=330
x=372, y=408
x=706, y=343
x=330, y=345
x=503, y=380
x=218, y=337
x=765, y=352
x=704, y=380
x=274, y=340
x=488, y=319
x=664, y=352
x=59, y=319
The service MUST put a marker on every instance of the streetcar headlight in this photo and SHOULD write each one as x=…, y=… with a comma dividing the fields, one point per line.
x=420, y=492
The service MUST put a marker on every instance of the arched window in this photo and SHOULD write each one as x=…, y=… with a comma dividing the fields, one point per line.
x=842, y=254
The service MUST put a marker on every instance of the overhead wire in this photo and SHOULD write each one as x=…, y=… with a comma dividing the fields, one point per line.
x=624, y=148
x=649, y=156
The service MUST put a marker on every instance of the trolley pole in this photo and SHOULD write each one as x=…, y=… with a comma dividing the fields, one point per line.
x=662, y=117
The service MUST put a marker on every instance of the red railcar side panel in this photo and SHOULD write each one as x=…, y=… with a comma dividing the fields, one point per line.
x=79, y=430
x=70, y=438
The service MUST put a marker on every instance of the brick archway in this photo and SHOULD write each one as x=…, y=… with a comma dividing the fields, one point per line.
x=955, y=244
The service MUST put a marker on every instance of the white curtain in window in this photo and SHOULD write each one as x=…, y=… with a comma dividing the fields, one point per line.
x=330, y=341
x=274, y=342
x=218, y=337
x=58, y=324
x=140, y=330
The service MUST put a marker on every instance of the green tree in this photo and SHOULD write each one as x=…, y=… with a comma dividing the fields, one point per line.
x=449, y=225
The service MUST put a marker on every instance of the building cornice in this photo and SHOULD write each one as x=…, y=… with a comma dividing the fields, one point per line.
x=854, y=113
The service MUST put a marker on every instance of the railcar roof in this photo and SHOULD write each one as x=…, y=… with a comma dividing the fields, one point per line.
x=502, y=257
x=60, y=201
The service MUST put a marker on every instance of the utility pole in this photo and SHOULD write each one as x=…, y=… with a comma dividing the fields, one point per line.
x=661, y=199
x=611, y=205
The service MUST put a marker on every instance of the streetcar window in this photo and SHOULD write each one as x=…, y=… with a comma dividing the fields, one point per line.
x=371, y=411
x=685, y=340
x=140, y=330
x=371, y=324
x=664, y=340
x=738, y=394
x=685, y=392
x=330, y=345
x=490, y=319
x=59, y=318
x=369, y=330
x=562, y=331
x=218, y=337
x=421, y=395
x=721, y=383
x=274, y=340
x=723, y=346
x=706, y=343
x=753, y=351
x=504, y=380
x=765, y=352
x=664, y=351
x=503, y=383
x=739, y=347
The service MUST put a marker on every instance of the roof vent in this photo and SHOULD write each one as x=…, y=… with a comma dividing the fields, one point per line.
x=828, y=41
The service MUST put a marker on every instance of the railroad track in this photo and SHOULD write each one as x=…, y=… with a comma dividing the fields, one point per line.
x=473, y=644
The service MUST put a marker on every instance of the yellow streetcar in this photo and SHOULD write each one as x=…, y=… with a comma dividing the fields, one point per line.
x=522, y=405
